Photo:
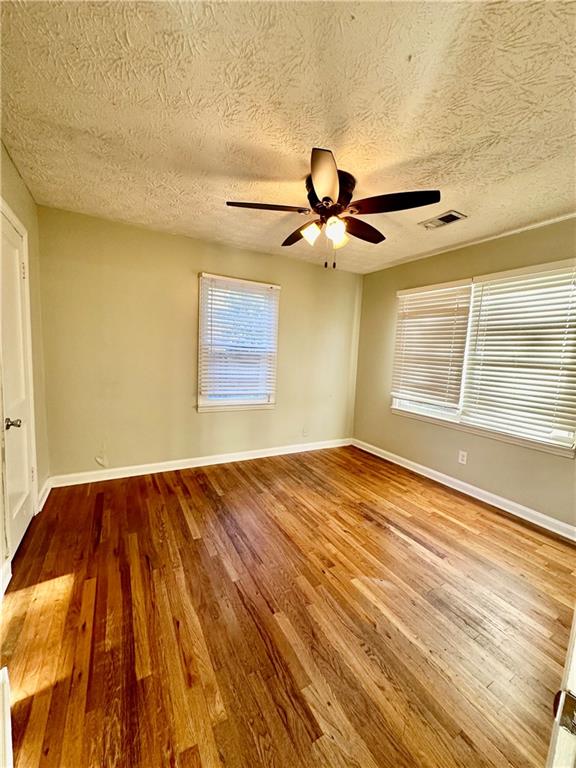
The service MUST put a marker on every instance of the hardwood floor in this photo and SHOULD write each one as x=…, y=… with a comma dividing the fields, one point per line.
x=322, y=609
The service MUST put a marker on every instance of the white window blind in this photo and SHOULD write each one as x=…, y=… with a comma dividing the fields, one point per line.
x=431, y=333
x=521, y=366
x=498, y=355
x=237, y=349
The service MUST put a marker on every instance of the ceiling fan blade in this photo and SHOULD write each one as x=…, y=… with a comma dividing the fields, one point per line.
x=360, y=229
x=324, y=174
x=397, y=201
x=270, y=207
x=297, y=234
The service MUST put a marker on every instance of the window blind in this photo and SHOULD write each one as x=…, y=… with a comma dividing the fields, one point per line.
x=431, y=334
x=237, y=349
x=521, y=366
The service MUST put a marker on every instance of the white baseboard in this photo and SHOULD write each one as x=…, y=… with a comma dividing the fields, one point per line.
x=43, y=494
x=115, y=473
x=531, y=515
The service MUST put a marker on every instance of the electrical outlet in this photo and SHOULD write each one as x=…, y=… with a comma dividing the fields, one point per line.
x=462, y=457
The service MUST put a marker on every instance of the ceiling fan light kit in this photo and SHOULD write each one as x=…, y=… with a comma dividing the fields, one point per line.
x=330, y=193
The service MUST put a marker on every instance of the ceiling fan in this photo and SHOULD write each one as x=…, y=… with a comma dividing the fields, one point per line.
x=330, y=195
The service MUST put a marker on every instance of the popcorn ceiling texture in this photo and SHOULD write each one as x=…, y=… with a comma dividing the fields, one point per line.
x=156, y=113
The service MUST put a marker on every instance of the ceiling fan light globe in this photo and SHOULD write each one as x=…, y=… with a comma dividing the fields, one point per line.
x=336, y=244
x=311, y=232
x=336, y=231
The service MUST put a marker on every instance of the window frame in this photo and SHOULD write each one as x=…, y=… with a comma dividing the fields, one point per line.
x=203, y=403
x=454, y=421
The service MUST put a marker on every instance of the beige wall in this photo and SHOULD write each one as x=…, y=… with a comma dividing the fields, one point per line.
x=120, y=336
x=16, y=194
x=536, y=479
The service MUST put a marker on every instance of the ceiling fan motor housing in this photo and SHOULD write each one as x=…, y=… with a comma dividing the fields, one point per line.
x=347, y=184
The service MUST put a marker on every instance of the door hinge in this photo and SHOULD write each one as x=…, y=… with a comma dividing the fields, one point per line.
x=23, y=266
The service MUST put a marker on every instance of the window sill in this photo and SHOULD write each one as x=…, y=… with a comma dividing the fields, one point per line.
x=449, y=424
x=237, y=407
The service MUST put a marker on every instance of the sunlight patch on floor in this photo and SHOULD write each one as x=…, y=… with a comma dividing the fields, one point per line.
x=43, y=626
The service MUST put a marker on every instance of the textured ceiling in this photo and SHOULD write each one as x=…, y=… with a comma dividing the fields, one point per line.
x=156, y=113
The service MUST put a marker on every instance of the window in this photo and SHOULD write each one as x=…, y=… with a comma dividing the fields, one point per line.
x=237, y=345
x=502, y=361
x=430, y=343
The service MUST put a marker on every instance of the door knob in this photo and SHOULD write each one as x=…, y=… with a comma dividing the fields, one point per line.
x=12, y=423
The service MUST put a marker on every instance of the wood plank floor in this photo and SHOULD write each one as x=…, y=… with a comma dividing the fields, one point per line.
x=324, y=609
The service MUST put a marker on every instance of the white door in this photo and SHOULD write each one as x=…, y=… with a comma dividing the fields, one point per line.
x=19, y=485
x=563, y=745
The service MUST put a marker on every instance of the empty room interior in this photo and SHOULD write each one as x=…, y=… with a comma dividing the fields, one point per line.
x=288, y=384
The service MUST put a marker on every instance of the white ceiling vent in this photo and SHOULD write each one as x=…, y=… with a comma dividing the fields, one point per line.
x=442, y=220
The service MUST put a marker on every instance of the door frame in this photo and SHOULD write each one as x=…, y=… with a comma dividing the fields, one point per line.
x=568, y=674
x=5, y=559
x=7, y=211
x=6, y=755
